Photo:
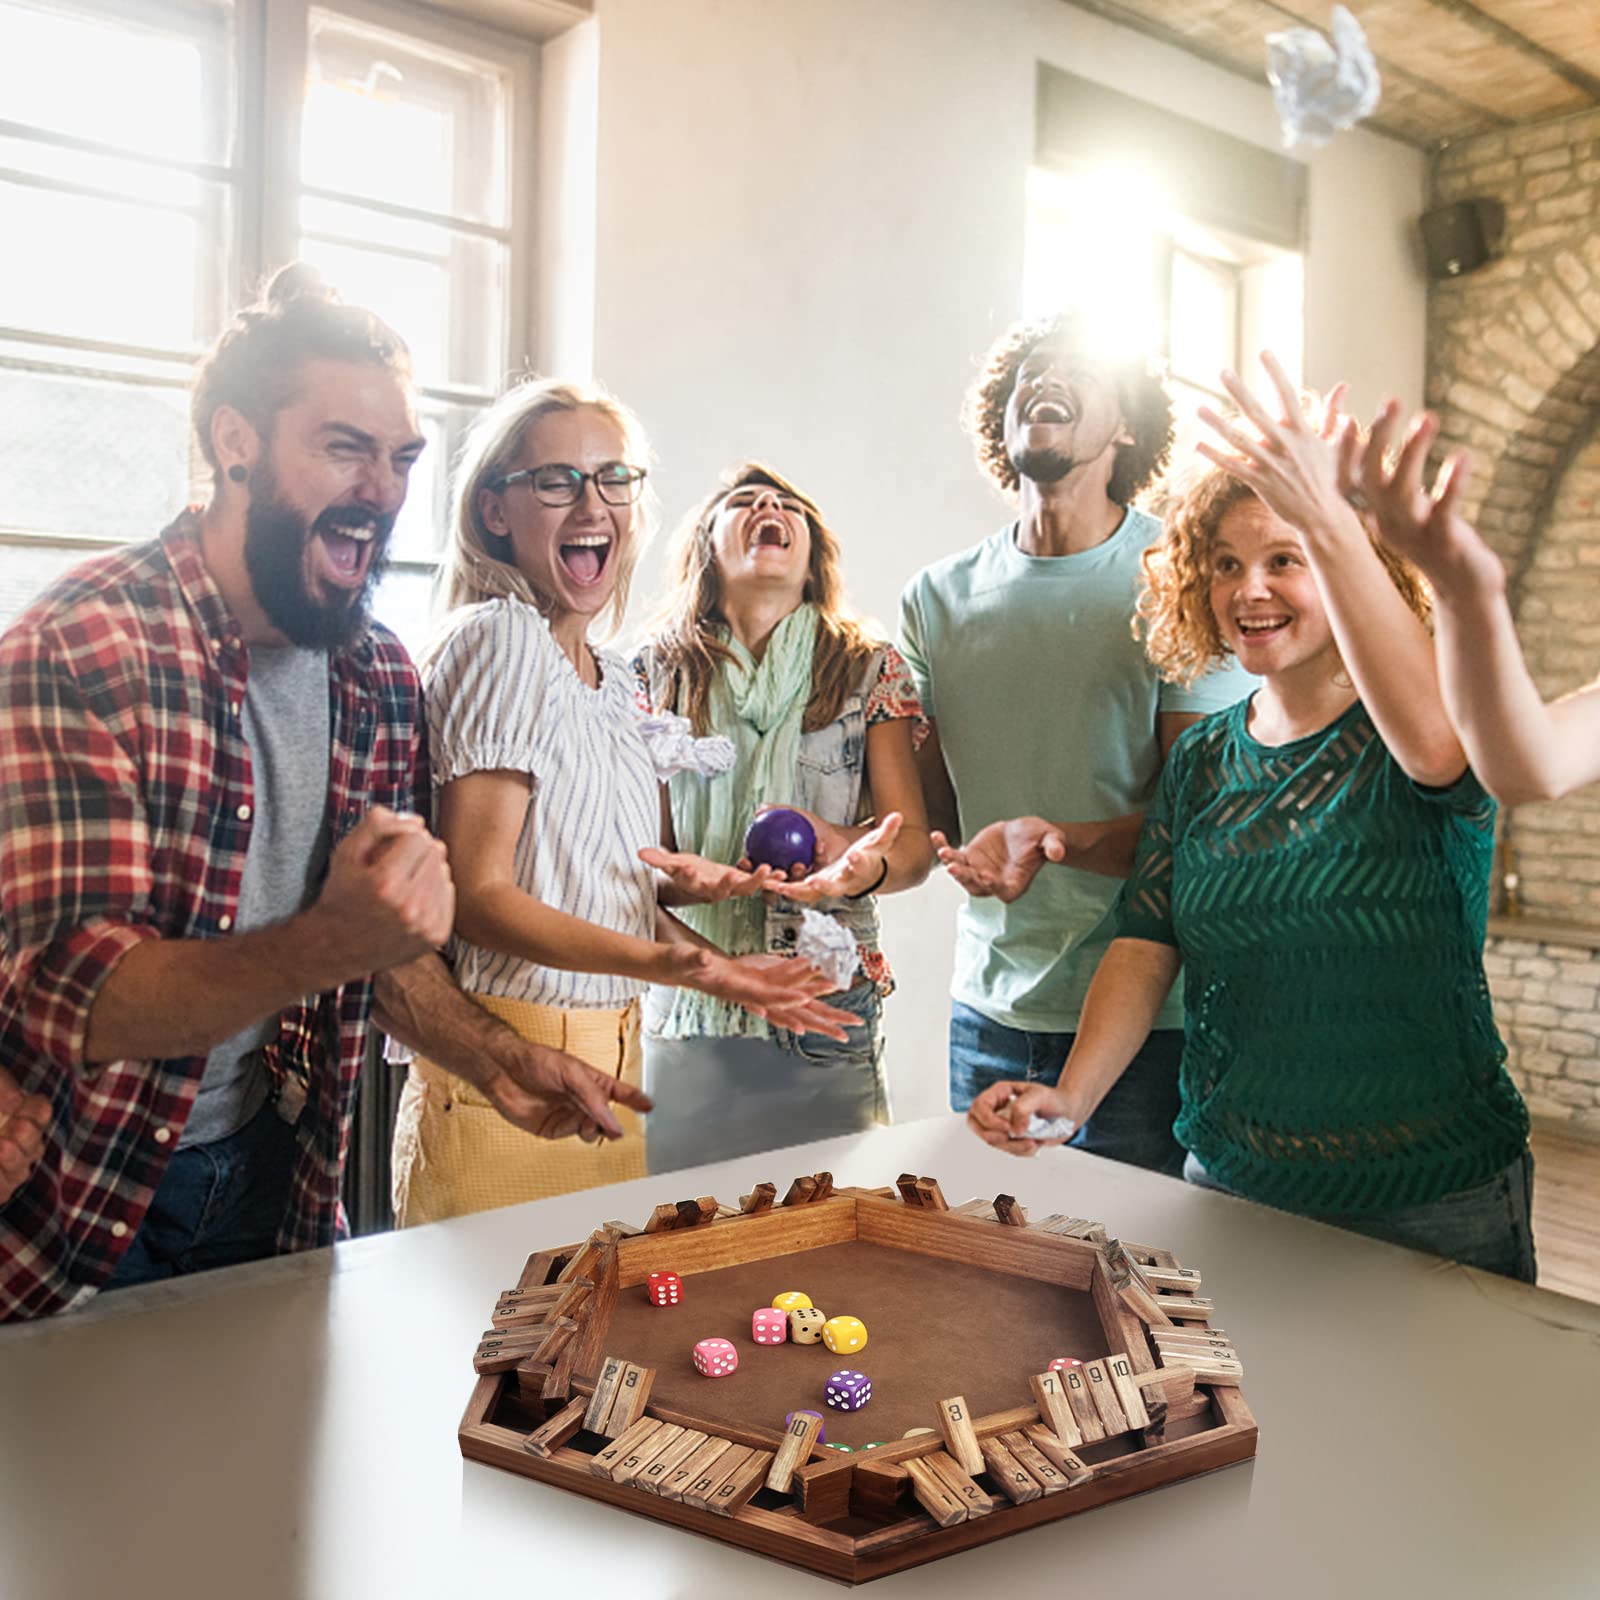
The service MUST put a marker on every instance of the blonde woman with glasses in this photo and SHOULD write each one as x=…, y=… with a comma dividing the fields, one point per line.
x=545, y=789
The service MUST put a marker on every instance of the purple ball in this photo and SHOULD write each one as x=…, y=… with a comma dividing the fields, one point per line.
x=781, y=838
x=822, y=1432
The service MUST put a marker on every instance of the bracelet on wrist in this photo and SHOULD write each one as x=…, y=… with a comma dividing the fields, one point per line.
x=874, y=886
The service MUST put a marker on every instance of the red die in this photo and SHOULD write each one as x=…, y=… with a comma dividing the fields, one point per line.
x=1061, y=1362
x=715, y=1358
x=769, y=1326
x=664, y=1288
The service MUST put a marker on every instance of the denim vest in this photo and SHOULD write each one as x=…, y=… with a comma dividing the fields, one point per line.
x=829, y=782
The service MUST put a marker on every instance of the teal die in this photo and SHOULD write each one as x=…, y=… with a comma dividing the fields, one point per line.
x=805, y=1325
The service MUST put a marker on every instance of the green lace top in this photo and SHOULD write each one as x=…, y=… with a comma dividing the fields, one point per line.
x=1340, y=1053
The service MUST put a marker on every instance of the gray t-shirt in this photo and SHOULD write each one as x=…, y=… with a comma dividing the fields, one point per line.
x=287, y=728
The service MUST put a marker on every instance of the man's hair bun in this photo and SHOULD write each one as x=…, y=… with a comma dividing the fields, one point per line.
x=298, y=281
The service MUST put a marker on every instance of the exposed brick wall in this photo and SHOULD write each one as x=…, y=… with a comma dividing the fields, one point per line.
x=1514, y=373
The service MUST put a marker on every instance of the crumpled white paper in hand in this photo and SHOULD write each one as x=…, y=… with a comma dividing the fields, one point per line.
x=828, y=946
x=1322, y=87
x=674, y=748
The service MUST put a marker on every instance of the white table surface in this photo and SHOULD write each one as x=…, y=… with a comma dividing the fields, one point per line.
x=289, y=1428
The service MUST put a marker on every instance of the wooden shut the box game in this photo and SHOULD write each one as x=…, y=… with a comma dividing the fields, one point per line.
x=933, y=1377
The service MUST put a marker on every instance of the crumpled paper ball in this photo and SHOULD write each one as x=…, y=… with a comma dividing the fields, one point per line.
x=828, y=946
x=1322, y=87
x=674, y=748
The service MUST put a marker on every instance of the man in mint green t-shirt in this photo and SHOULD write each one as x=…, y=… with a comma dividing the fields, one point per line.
x=1045, y=706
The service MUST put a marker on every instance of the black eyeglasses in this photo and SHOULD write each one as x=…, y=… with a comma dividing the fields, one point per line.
x=557, y=484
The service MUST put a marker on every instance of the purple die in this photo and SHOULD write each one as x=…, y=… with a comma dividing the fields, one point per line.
x=805, y=1411
x=848, y=1391
x=769, y=1326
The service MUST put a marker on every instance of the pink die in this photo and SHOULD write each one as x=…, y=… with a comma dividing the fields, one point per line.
x=664, y=1288
x=715, y=1358
x=769, y=1326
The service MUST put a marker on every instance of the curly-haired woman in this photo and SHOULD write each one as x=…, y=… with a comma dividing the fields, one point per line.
x=755, y=642
x=1044, y=706
x=1317, y=860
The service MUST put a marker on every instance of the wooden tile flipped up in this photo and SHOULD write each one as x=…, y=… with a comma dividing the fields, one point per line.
x=759, y=1199
x=1084, y=1411
x=1009, y=1212
x=794, y=1451
x=1126, y=1277
x=930, y=1196
x=605, y=1392
x=1129, y=1397
x=633, y=1393
x=1105, y=1398
x=955, y=1423
x=1050, y=1394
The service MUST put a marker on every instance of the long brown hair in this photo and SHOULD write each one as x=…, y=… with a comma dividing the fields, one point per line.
x=684, y=640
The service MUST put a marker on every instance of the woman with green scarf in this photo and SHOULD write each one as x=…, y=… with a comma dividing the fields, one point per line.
x=754, y=642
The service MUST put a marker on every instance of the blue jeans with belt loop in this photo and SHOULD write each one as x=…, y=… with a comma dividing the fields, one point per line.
x=1489, y=1225
x=1134, y=1121
x=217, y=1204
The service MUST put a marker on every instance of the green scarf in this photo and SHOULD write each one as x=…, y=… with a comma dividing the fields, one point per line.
x=759, y=705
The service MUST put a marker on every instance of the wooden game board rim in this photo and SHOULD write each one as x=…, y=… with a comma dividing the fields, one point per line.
x=831, y=1484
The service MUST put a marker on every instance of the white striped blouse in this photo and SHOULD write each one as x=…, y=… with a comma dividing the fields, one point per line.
x=502, y=696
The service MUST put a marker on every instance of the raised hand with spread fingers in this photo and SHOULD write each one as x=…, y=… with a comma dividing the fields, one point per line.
x=1521, y=748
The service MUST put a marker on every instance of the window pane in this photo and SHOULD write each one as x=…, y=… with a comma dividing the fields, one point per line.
x=89, y=456
x=25, y=569
x=419, y=534
x=394, y=119
x=444, y=292
x=140, y=75
x=159, y=284
x=1205, y=313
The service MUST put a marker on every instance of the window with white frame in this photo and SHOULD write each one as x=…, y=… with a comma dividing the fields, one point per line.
x=158, y=167
x=1161, y=284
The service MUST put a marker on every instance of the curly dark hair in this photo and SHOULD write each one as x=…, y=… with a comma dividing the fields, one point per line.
x=1146, y=406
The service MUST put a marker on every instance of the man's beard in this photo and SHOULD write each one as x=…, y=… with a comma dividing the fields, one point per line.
x=1043, y=466
x=275, y=542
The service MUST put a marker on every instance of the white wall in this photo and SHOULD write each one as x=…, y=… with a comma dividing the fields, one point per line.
x=810, y=224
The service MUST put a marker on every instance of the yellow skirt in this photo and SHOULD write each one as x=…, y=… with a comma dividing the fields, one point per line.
x=454, y=1153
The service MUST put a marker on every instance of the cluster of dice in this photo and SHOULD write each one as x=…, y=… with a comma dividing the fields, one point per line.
x=790, y=1317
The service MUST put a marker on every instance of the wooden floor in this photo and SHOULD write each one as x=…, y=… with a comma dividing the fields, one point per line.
x=1566, y=1213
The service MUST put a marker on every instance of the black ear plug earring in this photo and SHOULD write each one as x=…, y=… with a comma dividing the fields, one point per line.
x=237, y=472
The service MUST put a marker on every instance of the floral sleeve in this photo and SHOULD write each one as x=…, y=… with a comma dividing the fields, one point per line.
x=894, y=697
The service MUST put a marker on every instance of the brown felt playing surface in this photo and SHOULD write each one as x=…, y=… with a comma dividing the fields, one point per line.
x=934, y=1329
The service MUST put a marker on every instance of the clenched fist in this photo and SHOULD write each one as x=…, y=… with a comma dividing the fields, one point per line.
x=388, y=897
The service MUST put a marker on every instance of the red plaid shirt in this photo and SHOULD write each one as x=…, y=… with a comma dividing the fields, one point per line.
x=125, y=806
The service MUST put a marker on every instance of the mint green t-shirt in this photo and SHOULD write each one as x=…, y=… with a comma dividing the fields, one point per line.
x=1046, y=705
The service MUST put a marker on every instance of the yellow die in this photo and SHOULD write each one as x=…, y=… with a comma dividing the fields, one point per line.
x=844, y=1335
x=791, y=1300
x=805, y=1325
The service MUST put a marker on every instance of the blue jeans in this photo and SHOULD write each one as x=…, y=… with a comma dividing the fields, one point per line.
x=1489, y=1225
x=217, y=1204
x=1134, y=1121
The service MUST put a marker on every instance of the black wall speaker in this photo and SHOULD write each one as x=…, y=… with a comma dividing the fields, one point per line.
x=1460, y=238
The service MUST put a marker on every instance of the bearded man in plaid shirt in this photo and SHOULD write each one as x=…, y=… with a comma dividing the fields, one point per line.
x=213, y=873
